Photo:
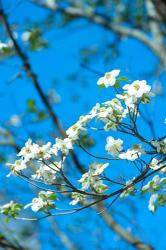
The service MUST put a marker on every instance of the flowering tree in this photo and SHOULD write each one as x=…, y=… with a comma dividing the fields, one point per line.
x=63, y=188
x=45, y=164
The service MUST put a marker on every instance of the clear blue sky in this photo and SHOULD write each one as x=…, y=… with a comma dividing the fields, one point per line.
x=56, y=62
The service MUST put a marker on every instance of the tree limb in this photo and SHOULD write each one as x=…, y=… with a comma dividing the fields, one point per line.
x=63, y=237
x=161, y=8
x=34, y=79
x=124, y=234
x=122, y=31
x=107, y=23
x=8, y=245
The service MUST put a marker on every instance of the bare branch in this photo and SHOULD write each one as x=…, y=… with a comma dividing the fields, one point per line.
x=34, y=79
x=124, y=234
x=161, y=8
x=63, y=237
x=5, y=243
x=107, y=23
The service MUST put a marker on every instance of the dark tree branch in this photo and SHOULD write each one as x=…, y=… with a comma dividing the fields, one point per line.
x=34, y=79
x=161, y=8
x=8, y=245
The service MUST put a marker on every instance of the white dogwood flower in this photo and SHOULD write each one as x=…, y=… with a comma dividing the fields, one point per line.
x=17, y=166
x=91, y=178
x=3, y=45
x=109, y=79
x=74, y=131
x=133, y=153
x=155, y=184
x=64, y=145
x=15, y=120
x=44, y=201
x=129, y=100
x=77, y=197
x=152, y=202
x=26, y=36
x=98, y=168
x=28, y=152
x=137, y=88
x=10, y=209
x=160, y=145
x=156, y=165
x=45, y=173
x=50, y=3
x=33, y=151
x=130, y=190
x=94, y=110
x=43, y=152
x=114, y=147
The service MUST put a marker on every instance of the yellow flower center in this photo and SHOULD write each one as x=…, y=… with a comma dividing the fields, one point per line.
x=107, y=75
x=137, y=86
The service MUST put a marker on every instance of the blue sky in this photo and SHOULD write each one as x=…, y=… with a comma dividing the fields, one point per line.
x=59, y=60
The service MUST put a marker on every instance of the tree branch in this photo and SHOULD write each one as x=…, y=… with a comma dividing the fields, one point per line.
x=34, y=79
x=63, y=237
x=101, y=21
x=108, y=24
x=155, y=29
x=124, y=234
x=161, y=8
x=113, y=225
x=8, y=245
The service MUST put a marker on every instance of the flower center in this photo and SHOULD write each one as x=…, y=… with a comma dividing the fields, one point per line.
x=107, y=75
x=137, y=86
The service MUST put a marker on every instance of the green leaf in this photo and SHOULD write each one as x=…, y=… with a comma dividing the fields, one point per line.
x=42, y=115
x=36, y=41
x=86, y=141
x=101, y=86
x=117, y=85
x=31, y=105
x=163, y=181
x=6, y=51
x=52, y=197
x=122, y=78
x=6, y=219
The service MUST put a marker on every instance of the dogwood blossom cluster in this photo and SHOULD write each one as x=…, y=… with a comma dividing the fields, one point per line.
x=15, y=120
x=114, y=147
x=11, y=209
x=6, y=48
x=130, y=190
x=42, y=155
x=46, y=173
x=156, y=200
x=156, y=187
x=161, y=146
x=133, y=153
x=109, y=79
x=137, y=91
x=2, y=45
x=51, y=3
x=47, y=163
x=111, y=113
x=156, y=165
x=45, y=201
x=77, y=198
x=91, y=180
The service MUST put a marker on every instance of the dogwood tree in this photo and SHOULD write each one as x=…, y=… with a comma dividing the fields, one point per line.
x=130, y=162
x=45, y=164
